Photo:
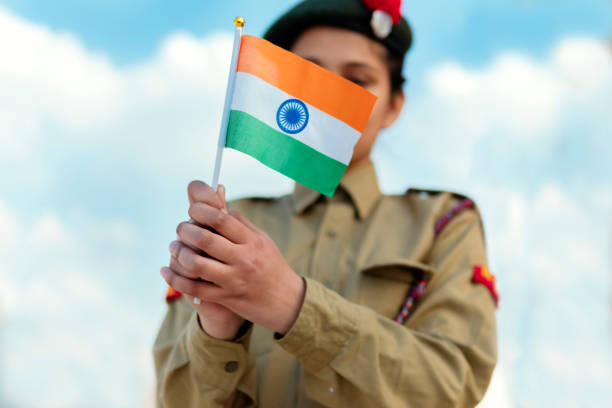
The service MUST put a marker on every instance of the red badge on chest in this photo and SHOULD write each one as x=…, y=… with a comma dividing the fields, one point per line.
x=486, y=278
x=172, y=294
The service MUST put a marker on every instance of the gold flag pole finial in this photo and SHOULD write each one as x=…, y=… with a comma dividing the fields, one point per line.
x=239, y=21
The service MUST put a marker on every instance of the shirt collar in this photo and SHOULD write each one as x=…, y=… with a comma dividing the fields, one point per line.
x=359, y=183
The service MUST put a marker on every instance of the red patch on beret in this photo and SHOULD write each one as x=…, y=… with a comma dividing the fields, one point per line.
x=391, y=7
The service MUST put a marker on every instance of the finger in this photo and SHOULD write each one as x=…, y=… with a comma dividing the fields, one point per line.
x=198, y=191
x=176, y=266
x=244, y=221
x=221, y=222
x=200, y=267
x=221, y=193
x=213, y=244
x=175, y=247
x=201, y=290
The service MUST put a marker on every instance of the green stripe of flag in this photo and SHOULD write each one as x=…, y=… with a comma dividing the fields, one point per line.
x=283, y=153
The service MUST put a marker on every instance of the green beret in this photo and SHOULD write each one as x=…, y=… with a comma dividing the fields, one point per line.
x=349, y=14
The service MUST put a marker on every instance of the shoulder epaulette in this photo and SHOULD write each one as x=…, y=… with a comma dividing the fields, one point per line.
x=172, y=294
x=423, y=191
x=450, y=214
x=426, y=192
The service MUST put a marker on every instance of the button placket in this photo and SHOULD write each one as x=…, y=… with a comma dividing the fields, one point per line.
x=328, y=246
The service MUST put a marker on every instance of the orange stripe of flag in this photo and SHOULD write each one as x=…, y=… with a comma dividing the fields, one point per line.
x=306, y=81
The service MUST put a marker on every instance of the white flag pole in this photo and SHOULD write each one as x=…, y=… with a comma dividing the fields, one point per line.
x=229, y=93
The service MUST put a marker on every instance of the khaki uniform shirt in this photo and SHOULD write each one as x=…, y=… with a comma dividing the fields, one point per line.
x=359, y=252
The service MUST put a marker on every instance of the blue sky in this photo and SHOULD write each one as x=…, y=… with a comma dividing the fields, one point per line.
x=468, y=30
x=108, y=109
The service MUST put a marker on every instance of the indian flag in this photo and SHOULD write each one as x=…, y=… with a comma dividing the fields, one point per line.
x=294, y=116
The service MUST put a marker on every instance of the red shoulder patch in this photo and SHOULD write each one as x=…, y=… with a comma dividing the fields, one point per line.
x=450, y=214
x=486, y=278
x=172, y=294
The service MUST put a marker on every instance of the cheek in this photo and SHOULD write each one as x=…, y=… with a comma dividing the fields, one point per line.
x=376, y=117
x=375, y=124
x=364, y=145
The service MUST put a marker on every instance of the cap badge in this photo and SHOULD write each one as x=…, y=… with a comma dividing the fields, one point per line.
x=381, y=24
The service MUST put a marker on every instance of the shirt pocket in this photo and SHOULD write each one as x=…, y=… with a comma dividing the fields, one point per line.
x=383, y=285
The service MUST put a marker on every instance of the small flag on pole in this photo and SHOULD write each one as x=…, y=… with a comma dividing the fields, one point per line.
x=293, y=115
x=290, y=114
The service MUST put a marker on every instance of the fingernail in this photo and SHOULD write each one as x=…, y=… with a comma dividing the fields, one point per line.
x=174, y=246
x=164, y=271
x=224, y=210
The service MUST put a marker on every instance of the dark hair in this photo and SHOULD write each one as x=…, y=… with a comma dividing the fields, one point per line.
x=395, y=64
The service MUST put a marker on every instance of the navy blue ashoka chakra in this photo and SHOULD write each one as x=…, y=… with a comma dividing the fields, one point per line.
x=292, y=116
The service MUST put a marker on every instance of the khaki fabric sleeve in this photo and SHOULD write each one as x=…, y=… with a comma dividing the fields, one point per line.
x=443, y=356
x=196, y=370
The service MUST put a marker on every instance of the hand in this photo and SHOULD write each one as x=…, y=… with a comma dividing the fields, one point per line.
x=247, y=273
x=217, y=320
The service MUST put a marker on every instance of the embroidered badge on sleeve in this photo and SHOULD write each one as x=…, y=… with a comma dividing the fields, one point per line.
x=486, y=278
x=172, y=294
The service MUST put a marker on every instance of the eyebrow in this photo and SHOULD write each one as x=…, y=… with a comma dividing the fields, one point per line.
x=355, y=64
x=360, y=65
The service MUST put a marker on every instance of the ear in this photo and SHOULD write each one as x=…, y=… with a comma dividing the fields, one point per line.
x=395, y=108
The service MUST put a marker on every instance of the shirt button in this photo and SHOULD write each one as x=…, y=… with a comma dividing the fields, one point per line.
x=231, y=366
x=332, y=234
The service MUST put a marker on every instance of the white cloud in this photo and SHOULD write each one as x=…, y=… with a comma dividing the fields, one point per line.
x=8, y=226
x=63, y=319
x=498, y=394
x=53, y=86
x=49, y=232
x=513, y=113
x=514, y=93
x=550, y=252
x=53, y=75
x=586, y=65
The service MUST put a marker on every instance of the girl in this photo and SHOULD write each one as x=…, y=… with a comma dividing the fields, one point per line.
x=358, y=300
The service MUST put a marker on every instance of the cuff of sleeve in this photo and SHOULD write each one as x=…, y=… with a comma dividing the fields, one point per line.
x=324, y=326
x=216, y=362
